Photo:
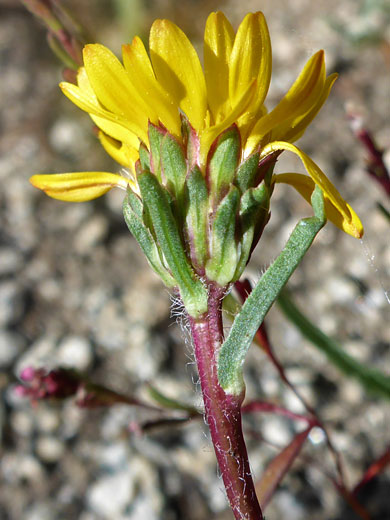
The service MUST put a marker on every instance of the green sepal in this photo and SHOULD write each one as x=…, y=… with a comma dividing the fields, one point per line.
x=132, y=211
x=247, y=172
x=135, y=203
x=191, y=141
x=156, y=135
x=173, y=166
x=247, y=322
x=192, y=291
x=144, y=157
x=222, y=163
x=196, y=216
x=254, y=207
x=223, y=248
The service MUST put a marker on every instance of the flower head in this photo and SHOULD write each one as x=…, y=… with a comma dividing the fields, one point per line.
x=199, y=147
x=169, y=84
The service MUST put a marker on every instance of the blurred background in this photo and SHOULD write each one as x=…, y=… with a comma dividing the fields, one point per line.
x=76, y=291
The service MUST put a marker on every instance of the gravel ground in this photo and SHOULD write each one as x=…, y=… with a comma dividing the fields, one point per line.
x=76, y=291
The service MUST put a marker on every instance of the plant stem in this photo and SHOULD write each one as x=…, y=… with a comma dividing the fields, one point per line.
x=223, y=412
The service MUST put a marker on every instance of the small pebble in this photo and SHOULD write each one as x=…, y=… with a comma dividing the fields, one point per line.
x=75, y=352
x=111, y=494
x=10, y=346
x=49, y=449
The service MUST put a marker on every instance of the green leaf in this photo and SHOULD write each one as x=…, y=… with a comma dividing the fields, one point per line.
x=223, y=250
x=132, y=211
x=383, y=210
x=373, y=380
x=278, y=467
x=258, y=303
x=168, y=402
x=192, y=291
x=223, y=161
x=196, y=216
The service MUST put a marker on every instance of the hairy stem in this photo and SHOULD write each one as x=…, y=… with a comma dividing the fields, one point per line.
x=223, y=412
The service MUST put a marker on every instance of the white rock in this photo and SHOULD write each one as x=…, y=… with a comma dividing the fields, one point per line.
x=10, y=260
x=17, y=467
x=114, y=455
x=47, y=418
x=39, y=512
x=276, y=430
x=9, y=302
x=141, y=508
x=66, y=134
x=341, y=289
x=39, y=354
x=90, y=234
x=22, y=422
x=287, y=502
x=74, y=352
x=49, y=449
x=10, y=346
x=110, y=494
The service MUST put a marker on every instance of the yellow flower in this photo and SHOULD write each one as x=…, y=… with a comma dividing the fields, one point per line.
x=122, y=98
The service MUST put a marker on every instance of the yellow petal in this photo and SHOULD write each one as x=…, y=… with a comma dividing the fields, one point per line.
x=78, y=186
x=294, y=131
x=113, y=88
x=177, y=68
x=135, y=55
x=85, y=85
x=305, y=186
x=137, y=64
x=117, y=132
x=303, y=94
x=210, y=134
x=120, y=152
x=112, y=124
x=320, y=179
x=251, y=58
x=218, y=44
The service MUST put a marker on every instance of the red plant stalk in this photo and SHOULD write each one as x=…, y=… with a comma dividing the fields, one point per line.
x=223, y=412
x=244, y=288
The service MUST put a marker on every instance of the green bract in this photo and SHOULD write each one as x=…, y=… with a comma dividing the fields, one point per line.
x=197, y=227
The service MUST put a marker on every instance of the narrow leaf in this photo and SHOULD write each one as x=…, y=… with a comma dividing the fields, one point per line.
x=168, y=402
x=258, y=303
x=278, y=467
x=373, y=380
x=377, y=467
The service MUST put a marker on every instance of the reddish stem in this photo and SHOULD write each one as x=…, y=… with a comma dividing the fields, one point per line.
x=375, y=468
x=223, y=412
x=376, y=166
x=244, y=288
